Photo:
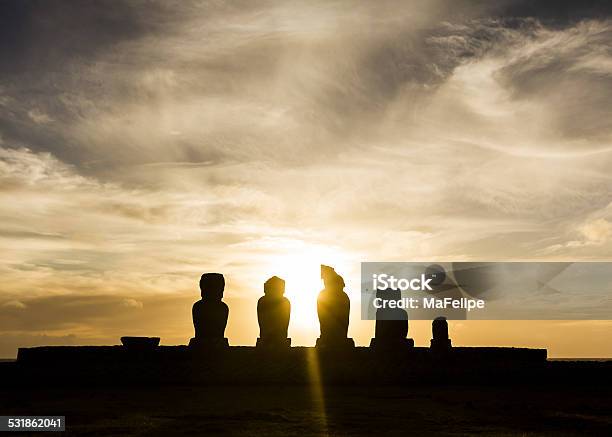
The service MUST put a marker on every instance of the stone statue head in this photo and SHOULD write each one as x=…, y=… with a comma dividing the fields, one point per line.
x=212, y=285
x=331, y=279
x=439, y=328
x=274, y=287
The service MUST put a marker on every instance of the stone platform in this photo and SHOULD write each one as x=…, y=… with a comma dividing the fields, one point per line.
x=80, y=365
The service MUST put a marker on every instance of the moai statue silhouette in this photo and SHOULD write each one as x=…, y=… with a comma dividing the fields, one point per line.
x=210, y=313
x=440, y=342
x=273, y=312
x=391, y=324
x=333, y=307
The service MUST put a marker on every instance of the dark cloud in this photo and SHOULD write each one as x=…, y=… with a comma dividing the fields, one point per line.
x=556, y=12
x=67, y=64
x=47, y=49
x=38, y=37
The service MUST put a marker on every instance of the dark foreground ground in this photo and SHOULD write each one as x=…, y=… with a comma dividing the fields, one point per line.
x=303, y=410
x=302, y=391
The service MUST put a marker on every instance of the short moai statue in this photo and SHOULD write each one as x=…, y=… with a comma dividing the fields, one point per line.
x=333, y=308
x=273, y=313
x=391, y=324
x=210, y=314
x=440, y=341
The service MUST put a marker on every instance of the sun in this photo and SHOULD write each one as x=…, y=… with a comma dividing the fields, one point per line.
x=299, y=264
x=301, y=273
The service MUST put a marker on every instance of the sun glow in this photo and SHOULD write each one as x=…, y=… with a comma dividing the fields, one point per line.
x=303, y=283
x=299, y=265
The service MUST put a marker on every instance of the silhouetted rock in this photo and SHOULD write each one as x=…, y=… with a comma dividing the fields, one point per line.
x=210, y=313
x=391, y=324
x=333, y=307
x=439, y=329
x=140, y=343
x=273, y=312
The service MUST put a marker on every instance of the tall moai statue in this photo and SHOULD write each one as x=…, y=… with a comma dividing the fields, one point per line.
x=273, y=312
x=440, y=341
x=391, y=324
x=333, y=307
x=210, y=313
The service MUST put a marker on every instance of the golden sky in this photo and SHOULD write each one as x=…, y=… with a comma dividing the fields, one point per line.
x=146, y=143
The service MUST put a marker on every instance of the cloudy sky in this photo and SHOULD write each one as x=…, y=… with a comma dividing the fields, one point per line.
x=144, y=143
